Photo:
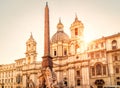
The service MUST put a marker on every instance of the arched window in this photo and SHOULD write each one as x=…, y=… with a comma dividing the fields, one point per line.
x=76, y=31
x=114, y=44
x=98, y=69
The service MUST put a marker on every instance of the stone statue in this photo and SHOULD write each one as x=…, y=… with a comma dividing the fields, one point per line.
x=31, y=84
x=47, y=79
x=41, y=80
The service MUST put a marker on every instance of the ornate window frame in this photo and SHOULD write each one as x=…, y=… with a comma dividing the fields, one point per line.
x=98, y=69
x=114, y=44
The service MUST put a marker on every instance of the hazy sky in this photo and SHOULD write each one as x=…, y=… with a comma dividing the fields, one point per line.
x=20, y=17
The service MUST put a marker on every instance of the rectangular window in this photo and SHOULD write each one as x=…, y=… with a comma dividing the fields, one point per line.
x=78, y=73
x=115, y=58
x=8, y=80
x=114, y=47
x=2, y=80
x=102, y=44
x=98, y=69
x=11, y=80
x=93, y=71
x=96, y=46
x=91, y=46
x=65, y=51
x=5, y=80
x=97, y=55
x=118, y=83
x=88, y=55
x=117, y=69
x=78, y=82
x=104, y=70
x=55, y=53
x=102, y=54
x=92, y=55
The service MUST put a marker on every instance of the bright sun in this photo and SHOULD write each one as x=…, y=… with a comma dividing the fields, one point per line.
x=88, y=36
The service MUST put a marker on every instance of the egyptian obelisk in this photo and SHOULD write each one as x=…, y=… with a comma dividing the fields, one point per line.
x=48, y=78
x=47, y=60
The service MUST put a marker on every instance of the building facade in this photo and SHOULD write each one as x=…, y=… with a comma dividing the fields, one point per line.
x=76, y=64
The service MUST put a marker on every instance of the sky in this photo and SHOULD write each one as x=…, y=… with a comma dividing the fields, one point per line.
x=18, y=18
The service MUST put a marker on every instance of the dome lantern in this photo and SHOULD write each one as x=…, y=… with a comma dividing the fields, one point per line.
x=60, y=26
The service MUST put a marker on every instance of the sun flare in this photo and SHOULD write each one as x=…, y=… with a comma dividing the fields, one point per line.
x=88, y=36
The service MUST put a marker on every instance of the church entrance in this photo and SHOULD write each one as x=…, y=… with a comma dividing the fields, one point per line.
x=99, y=83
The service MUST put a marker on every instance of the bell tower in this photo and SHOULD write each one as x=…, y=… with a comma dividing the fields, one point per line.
x=31, y=50
x=77, y=35
x=77, y=29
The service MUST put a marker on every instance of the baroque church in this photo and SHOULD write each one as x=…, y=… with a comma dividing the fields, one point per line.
x=77, y=65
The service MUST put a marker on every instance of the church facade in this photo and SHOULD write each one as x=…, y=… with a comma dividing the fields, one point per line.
x=76, y=64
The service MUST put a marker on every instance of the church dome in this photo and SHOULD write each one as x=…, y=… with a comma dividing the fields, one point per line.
x=60, y=35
